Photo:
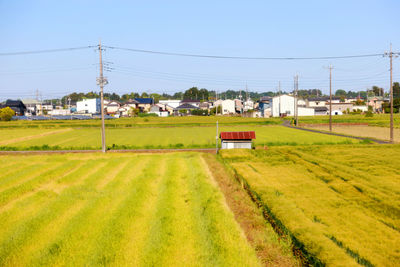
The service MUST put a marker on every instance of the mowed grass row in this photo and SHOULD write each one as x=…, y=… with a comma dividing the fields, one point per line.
x=172, y=137
x=115, y=209
x=342, y=203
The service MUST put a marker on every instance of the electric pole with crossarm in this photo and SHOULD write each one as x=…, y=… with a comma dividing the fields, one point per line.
x=101, y=81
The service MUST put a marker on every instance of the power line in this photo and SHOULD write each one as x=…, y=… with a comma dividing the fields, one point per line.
x=238, y=57
x=46, y=51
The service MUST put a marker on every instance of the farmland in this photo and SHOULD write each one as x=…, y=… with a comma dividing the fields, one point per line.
x=153, y=137
x=374, y=132
x=340, y=203
x=116, y=209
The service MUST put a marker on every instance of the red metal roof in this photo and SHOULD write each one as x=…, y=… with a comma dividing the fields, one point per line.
x=238, y=135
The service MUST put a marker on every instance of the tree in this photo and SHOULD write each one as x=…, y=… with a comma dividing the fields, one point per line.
x=6, y=114
x=378, y=91
x=396, y=90
x=340, y=92
x=203, y=94
x=144, y=95
x=192, y=93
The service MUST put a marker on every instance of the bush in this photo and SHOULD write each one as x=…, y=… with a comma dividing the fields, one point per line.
x=369, y=114
x=6, y=114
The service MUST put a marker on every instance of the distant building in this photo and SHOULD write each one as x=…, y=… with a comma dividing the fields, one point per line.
x=185, y=106
x=171, y=102
x=283, y=105
x=321, y=111
x=89, y=106
x=144, y=104
x=192, y=102
x=321, y=101
x=230, y=140
x=112, y=107
x=16, y=105
x=228, y=107
x=158, y=111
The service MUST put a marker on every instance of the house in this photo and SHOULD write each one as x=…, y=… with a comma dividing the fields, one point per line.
x=283, y=105
x=16, y=105
x=33, y=106
x=171, y=102
x=158, y=111
x=230, y=140
x=144, y=103
x=248, y=105
x=195, y=103
x=340, y=108
x=184, y=107
x=321, y=101
x=321, y=111
x=89, y=106
x=204, y=106
x=112, y=107
x=376, y=103
x=228, y=106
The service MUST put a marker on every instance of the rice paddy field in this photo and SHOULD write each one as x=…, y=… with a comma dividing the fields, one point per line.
x=153, y=137
x=339, y=203
x=374, y=132
x=116, y=210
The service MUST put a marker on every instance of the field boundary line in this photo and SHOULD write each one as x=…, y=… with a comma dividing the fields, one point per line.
x=156, y=150
x=287, y=124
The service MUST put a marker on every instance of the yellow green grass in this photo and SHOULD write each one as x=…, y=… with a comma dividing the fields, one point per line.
x=115, y=209
x=158, y=137
x=342, y=203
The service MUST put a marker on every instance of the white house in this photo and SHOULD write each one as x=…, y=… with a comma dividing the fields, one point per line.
x=112, y=107
x=228, y=106
x=248, y=105
x=171, y=102
x=283, y=105
x=88, y=106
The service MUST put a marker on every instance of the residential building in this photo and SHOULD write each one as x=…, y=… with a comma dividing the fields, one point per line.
x=228, y=106
x=376, y=103
x=158, y=111
x=283, y=105
x=340, y=108
x=187, y=107
x=89, y=106
x=16, y=105
x=192, y=102
x=321, y=101
x=112, y=107
x=174, y=103
x=145, y=104
x=321, y=110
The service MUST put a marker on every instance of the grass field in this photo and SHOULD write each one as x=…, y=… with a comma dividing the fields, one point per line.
x=375, y=132
x=342, y=203
x=381, y=120
x=155, y=137
x=116, y=209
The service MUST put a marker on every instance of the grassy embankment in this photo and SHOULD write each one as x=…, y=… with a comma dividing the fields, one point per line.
x=116, y=209
x=340, y=204
x=152, y=137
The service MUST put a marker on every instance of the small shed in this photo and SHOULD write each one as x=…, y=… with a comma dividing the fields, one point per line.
x=231, y=140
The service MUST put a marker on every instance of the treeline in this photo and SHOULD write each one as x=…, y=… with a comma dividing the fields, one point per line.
x=203, y=94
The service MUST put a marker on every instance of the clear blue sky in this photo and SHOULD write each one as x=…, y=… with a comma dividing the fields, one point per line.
x=232, y=28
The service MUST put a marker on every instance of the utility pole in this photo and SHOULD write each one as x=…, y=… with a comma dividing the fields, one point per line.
x=296, y=110
x=390, y=54
x=279, y=89
x=330, y=97
x=216, y=141
x=101, y=81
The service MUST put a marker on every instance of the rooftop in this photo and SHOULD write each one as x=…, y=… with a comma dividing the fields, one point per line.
x=238, y=135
